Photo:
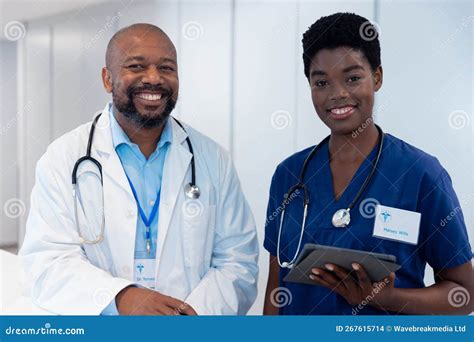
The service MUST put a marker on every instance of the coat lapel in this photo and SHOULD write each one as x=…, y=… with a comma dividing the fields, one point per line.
x=119, y=204
x=175, y=170
x=104, y=146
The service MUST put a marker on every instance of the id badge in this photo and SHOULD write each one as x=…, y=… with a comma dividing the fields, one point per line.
x=144, y=274
x=397, y=224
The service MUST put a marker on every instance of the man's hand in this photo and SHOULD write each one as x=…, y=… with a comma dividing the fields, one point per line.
x=138, y=301
x=355, y=286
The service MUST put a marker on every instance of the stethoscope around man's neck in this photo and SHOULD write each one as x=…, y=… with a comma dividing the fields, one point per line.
x=191, y=190
x=341, y=217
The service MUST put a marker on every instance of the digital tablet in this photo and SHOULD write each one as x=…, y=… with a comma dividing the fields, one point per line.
x=378, y=266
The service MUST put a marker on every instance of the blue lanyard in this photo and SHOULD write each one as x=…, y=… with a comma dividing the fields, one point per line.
x=149, y=220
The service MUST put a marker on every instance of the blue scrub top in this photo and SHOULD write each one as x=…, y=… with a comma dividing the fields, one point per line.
x=406, y=178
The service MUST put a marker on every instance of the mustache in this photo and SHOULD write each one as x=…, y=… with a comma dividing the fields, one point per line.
x=153, y=88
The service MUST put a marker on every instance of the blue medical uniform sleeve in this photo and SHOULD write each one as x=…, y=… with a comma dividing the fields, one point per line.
x=443, y=236
x=272, y=219
x=111, y=309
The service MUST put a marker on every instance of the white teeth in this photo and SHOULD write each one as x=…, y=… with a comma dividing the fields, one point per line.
x=339, y=111
x=149, y=97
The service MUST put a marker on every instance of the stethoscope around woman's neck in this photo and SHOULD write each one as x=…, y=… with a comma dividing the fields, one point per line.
x=341, y=217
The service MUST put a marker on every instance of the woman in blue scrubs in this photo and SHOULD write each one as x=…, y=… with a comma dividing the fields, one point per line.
x=344, y=71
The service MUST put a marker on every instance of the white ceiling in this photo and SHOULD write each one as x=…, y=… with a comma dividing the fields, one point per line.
x=27, y=10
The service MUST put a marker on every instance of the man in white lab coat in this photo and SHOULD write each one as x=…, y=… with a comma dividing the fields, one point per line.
x=136, y=239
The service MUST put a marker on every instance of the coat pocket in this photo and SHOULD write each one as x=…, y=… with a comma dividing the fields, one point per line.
x=199, y=221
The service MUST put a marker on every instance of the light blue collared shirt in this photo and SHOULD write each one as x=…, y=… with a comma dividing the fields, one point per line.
x=145, y=175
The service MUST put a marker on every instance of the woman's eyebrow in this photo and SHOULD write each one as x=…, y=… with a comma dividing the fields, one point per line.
x=317, y=72
x=353, y=67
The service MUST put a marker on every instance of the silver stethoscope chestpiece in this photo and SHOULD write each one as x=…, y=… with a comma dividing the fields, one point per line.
x=341, y=218
x=192, y=191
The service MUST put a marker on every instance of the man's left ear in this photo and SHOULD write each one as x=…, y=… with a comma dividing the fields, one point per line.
x=378, y=78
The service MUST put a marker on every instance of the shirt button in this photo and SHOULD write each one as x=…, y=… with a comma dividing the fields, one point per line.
x=152, y=202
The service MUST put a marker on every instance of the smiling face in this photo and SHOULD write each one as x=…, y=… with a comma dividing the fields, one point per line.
x=342, y=88
x=142, y=76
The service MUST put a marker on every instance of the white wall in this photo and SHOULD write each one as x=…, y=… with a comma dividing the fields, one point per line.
x=242, y=81
x=426, y=98
x=427, y=95
x=8, y=147
x=35, y=118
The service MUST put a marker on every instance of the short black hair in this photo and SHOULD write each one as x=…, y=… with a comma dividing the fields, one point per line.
x=342, y=29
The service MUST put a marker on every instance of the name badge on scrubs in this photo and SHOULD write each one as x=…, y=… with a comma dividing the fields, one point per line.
x=144, y=274
x=397, y=224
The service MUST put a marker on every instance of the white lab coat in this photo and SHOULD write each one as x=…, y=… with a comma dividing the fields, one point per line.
x=209, y=260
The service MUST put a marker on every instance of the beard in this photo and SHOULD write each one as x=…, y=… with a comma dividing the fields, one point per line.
x=127, y=108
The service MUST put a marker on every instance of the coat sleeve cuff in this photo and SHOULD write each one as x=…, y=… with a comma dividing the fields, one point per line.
x=111, y=309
